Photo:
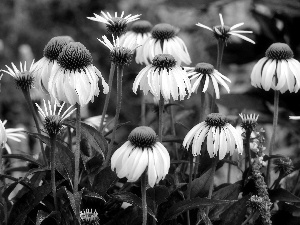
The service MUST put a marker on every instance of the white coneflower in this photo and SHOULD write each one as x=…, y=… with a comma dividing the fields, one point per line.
x=222, y=137
x=163, y=77
x=115, y=25
x=206, y=72
x=9, y=134
x=141, y=152
x=52, y=119
x=278, y=70
x=43, y=67
x=139, y=33
x=119, y=55
x=223, y=32
x=164, y=40
x=88, y=217
x=74, y=79
x=24, y=77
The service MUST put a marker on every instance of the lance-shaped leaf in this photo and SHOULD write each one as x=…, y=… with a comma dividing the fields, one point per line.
x=75, y=201
x=43, y=216
x=104, y=180
x=200, y=185
x=24, y=157
x=282, y=195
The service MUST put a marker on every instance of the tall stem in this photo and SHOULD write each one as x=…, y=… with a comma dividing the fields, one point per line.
x=160, y=118
x=2, y=182
x=143, y=110
x=247, y=148
x=213, y=171
x=173, y=130
x=26, y=94
x=190, y=185
x=272, y=143
x=118, y=110
x=53, y=148
x=107, y=98
x=144, y=197
x=77, y=150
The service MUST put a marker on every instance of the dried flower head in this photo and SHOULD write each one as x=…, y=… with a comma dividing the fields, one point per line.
x=283, y=165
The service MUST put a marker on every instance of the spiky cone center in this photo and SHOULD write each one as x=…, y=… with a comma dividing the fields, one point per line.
x=163, y=62
x=221, y=32
x=75, y=57
x=204, y=68
x=142, y=137
x=52, y=125
x=163, y=31
x=121, y=56
x=216, y=120
x=279, y=51
x=55, y=46
x=283, y=165
x=25, y=81
x=141, y=27
x=117, y=26
x=89, y=218
x=248, y=122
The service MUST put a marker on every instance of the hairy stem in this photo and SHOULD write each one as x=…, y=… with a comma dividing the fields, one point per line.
x=190, y=185
x=173, y=130
x=247, y=148
x=143, y=110
x=160, y=118
x=107, y=98
x=211, y=186
x=53, y=148
x=77, y=150
x=273, y=138
x=144, y=197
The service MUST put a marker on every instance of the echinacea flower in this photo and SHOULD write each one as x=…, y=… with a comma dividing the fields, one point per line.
x=249, y=122
x=222, y=137
x=278, y=70
x=115, y=25
x=9, y=134
x=119, y=55
x=88, y=217
x=139, y=33
x=43, y=67
x=164, y=40
x=206, y=71
x=141, y=153
x=223, y=32
x=163, y=77
x=52, y=119
x=74, y=79
x=24, y=77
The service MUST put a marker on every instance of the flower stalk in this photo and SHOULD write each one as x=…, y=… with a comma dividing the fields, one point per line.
x=211, y=186
x=160, y=118
x=77, y=150
x=53, y=149
x=144, y=197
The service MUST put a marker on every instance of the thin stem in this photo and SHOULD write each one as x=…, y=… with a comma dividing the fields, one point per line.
x=272, y=143
x=202, y=106
x=160, y=118
x=77, y=150
x=70, y=138
x=173, y=130
x=249, y=218
x=211, y=186
x=247, y=148
x=118, y=110
x=2, y=182
x=26, y=94
x=190, y=185
x=107, y=98
x=229, y=170
x=143, y=110
x=144, y=197
x=53, y=148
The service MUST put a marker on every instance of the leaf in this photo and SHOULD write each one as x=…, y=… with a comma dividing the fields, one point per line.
x=27, y=203
x=282, y=195
x=94, y=138
x=132, y=199
x=75, y=200
x=159, y=194
x=200, y=186
x=90, y=194
x=185, y=205
x=230, y=192
x=104, y=180
x=43, y=216
x=24, y=157
x=235, y=214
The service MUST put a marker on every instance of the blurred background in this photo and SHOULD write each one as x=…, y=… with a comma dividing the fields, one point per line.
x=26, y=27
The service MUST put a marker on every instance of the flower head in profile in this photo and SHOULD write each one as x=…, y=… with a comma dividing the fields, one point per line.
x=223, y=32
x=74, y=78
x=283, y=165
x=140, y=153
x=163, y=77
x=88, y=217
x=43, y=67
x=119, y=55
x=249, y=122
x=205, y=72
x=115, y=25
x=24, y=77
x=164, y=40
x=222, y=137
x=278, y=70
x=13, y=134
x=52, y=119
x=140, y=31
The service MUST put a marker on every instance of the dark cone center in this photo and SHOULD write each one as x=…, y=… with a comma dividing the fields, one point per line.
x=163, y=31
x=204, y=68
x=142, y=137
x=55, y=46
x=117, y=26
x=141, y=27
x=75, y=56
x=279, y=51
x=221, y=32
x=164, y=61
x=216, y=120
